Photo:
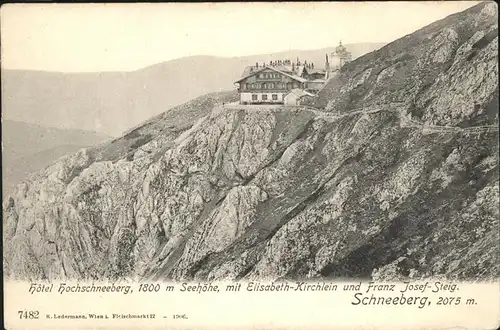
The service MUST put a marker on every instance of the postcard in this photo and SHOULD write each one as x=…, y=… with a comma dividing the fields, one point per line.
x=287, y=165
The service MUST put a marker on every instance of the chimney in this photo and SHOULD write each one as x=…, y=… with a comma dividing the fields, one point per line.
x=257, y=65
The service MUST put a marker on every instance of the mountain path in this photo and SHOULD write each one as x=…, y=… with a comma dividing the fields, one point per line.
x=399, y=108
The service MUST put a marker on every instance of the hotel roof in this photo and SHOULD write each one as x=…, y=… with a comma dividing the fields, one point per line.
x=285, y=70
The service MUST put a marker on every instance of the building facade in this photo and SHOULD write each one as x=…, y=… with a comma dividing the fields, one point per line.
x=267, y=86
x=270, y=83
x=297, y=97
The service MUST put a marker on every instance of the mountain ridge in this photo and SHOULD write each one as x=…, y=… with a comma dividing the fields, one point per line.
x=28, y=148
x=63, y=98
x=382, y=178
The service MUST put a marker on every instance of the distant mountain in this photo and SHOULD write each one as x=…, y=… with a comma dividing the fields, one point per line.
x=111, y=102
x=28, y=148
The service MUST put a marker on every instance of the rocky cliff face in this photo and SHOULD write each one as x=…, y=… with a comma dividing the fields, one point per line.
x=375, y=185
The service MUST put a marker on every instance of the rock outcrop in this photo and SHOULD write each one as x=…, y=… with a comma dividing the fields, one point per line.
x=397, y=177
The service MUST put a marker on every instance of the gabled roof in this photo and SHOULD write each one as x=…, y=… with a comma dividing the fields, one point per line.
x=249, y=70
x=300, y=92
x=247, y=73
x=290, y=69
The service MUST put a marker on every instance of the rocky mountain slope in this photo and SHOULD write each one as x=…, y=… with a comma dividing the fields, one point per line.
x=390, y=176
x=28, y=148
x=96, y=101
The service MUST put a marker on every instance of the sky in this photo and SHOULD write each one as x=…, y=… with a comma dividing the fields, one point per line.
x=124, y=37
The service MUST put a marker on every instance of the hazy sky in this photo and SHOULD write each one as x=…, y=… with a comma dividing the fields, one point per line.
x=105, y=37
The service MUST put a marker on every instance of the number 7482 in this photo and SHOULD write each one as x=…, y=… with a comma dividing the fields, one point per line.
x=28, y=314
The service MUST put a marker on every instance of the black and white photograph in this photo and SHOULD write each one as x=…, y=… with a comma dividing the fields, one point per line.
x=308, y=141
x=357, y=160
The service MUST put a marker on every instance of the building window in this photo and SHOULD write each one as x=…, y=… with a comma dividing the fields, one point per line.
x=246, y=86
x=254, y=97
x=275, y=97
x=271, y=86
x=264, y=97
